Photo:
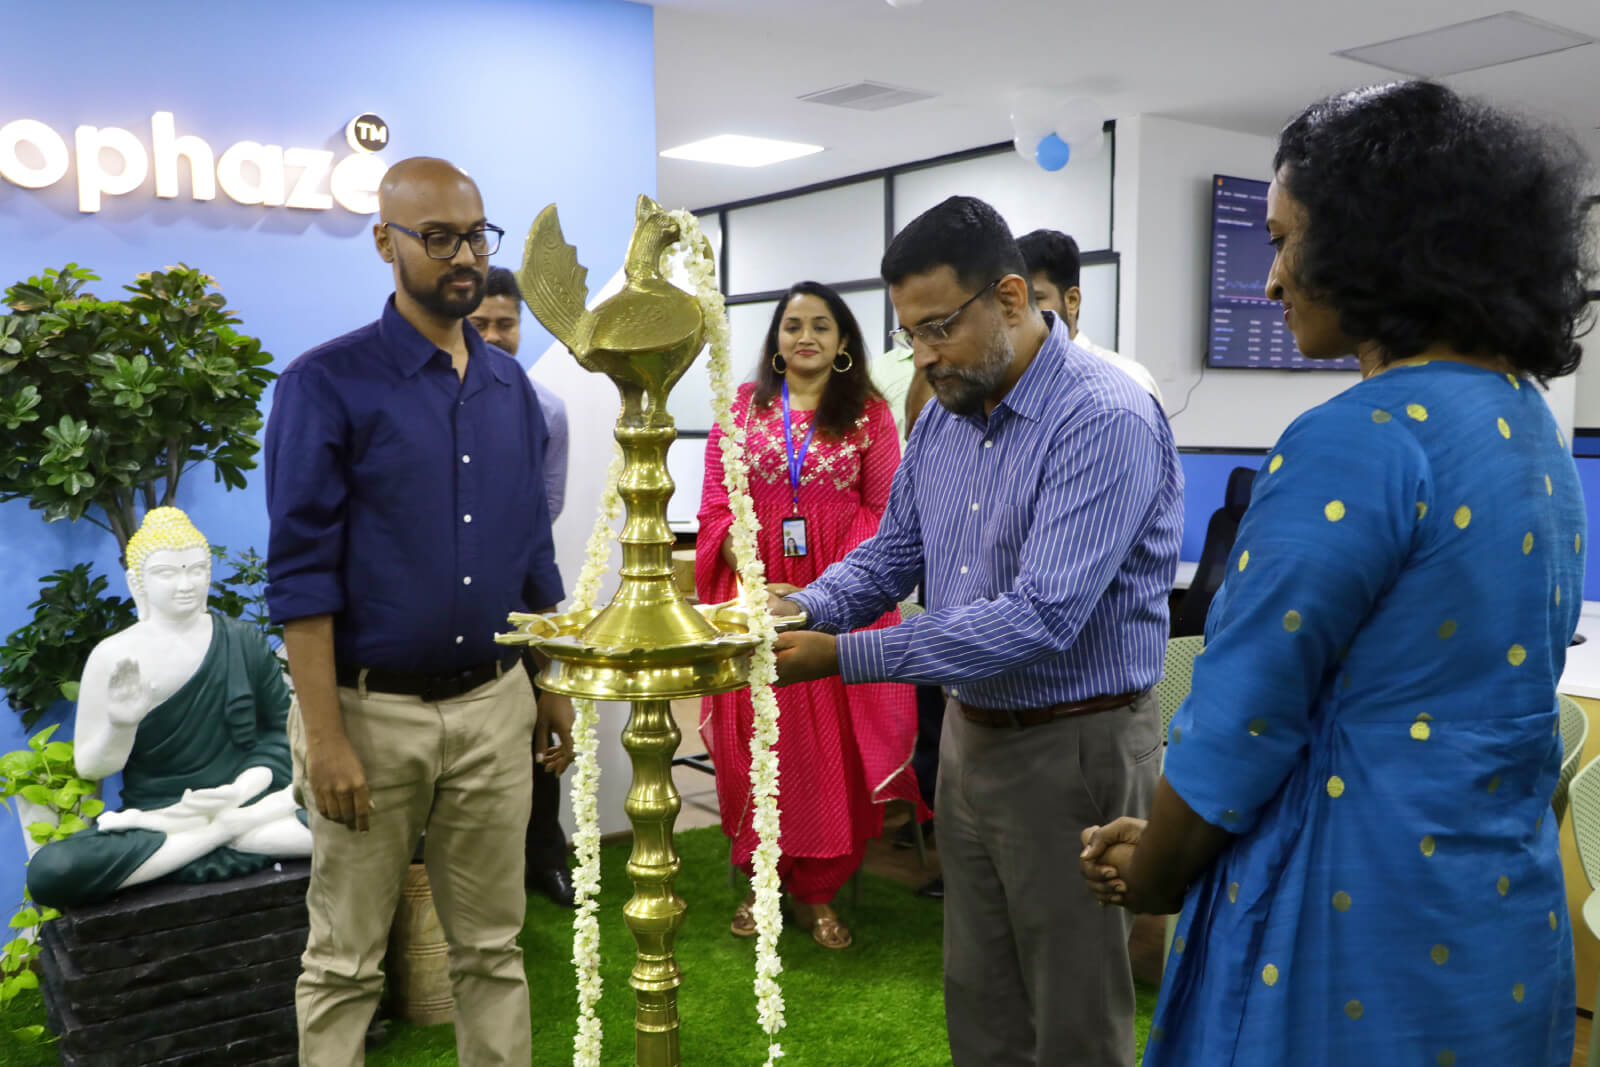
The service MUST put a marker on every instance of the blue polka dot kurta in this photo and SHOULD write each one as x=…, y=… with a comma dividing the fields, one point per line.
x=1374, y=716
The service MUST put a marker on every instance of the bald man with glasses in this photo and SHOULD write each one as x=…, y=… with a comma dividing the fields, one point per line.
x=405, y=487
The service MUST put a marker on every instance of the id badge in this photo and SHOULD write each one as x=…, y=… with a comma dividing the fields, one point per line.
x=794, y=536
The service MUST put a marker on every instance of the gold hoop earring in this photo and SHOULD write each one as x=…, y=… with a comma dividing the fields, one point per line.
x=779, y=364
x=849, y=362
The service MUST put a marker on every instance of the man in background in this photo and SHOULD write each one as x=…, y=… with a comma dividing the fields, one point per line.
x=891, y=375
x=1053, y=268
x=499, y=320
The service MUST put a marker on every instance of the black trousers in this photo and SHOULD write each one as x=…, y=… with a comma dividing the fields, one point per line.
x=925, y=755
x=546, y=845
x=547, y=841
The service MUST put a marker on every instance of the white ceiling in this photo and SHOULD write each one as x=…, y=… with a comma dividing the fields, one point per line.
x=737, y=66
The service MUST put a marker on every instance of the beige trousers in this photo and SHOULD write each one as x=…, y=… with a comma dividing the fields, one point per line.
x=462, y=771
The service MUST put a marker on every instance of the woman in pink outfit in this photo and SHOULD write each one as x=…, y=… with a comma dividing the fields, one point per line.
x=822, y=449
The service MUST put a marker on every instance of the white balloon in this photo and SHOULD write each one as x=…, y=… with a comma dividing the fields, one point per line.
x=1077, y=121
x=1089, y=148
x=1031, y=119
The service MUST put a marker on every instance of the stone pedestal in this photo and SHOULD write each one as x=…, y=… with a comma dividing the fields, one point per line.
x=180, y=975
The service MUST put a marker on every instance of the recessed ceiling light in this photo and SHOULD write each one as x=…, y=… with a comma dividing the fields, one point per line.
x=1486, y=42
x=737, y=150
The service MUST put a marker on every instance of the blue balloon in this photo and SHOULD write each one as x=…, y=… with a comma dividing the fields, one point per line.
x=1052, y=153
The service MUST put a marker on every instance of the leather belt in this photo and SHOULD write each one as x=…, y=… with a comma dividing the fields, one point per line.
x=1020, y=717
x=432, y=688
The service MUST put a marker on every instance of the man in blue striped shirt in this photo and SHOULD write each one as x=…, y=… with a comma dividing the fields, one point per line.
x=1040, y=502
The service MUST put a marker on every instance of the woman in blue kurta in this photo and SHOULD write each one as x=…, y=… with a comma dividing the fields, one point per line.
x=1355, y=814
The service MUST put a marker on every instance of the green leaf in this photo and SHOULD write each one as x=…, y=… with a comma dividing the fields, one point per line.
x=71, y=824
x=19, y=764
x=49, y=914
x=41, y=832
x=31, y=1034
x=23, y=980
x=91, y=807
x=38, y=794
x=24, y=919
x=60, y=751
x=69, y=691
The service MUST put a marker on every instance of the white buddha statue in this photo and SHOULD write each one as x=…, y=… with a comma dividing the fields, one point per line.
x=190, y=706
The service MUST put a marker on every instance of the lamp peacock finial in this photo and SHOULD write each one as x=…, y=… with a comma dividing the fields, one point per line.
x=643, y=337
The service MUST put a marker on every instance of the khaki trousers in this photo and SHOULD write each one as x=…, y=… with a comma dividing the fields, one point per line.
x=462, y=771
x=1036, y=972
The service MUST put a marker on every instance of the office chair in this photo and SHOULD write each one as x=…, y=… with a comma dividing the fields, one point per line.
x=1190, y=619
x=1574, y=732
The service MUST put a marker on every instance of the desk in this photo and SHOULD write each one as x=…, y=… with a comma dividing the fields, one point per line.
x=1581, y=678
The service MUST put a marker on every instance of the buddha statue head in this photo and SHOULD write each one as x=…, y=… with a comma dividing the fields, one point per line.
x=169, y=567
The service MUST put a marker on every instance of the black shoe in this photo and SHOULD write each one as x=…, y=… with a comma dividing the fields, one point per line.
x=934, y=890
x=555, y=883
x=906, y=836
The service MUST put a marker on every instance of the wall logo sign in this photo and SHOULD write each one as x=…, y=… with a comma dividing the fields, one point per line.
x=111, y=161
x=367, y=133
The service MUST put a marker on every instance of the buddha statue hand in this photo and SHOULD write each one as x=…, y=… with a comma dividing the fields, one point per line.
x=252, y=782
x=128, y=699
x=196, y=809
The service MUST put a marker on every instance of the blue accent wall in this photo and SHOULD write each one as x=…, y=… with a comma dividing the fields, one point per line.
x=539, y=100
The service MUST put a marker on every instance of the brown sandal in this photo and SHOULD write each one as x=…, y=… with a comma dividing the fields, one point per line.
x=744, y=917
x=826, y=928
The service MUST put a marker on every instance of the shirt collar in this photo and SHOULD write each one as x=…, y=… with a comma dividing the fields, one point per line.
x=411, y=351
x=1035, y=390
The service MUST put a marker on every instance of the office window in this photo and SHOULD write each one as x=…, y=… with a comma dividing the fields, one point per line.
x=1075, y=199
x=830, y=236
x=1097, y=315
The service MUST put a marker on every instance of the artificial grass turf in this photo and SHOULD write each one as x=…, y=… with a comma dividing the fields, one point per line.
x=879, y=1002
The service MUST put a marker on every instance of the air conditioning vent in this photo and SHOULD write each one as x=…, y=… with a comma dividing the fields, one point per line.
x=867, y=96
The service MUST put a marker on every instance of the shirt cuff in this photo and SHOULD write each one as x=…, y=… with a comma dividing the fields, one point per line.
x=861, y=657
x=816, y=619
x=304, y=596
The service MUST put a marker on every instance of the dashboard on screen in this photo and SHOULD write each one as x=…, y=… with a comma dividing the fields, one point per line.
x=1245, y=329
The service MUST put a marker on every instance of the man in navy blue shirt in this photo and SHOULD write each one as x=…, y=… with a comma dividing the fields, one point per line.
x=404, y=467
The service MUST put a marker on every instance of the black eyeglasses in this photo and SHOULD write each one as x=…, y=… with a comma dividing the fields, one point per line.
x=937, y=333
x=444, y=244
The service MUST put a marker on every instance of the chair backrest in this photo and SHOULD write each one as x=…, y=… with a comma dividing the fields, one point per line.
x=1221, y=532
x=1177, y=677
x=1585, y=794
x=1574, y=732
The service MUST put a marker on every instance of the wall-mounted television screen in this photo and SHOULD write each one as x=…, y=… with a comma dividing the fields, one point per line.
x=1245, y=329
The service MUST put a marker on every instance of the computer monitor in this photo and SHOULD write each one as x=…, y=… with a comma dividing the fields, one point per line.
x=1245, y=329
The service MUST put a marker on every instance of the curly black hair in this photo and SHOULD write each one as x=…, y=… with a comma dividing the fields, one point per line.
x=1432, y=219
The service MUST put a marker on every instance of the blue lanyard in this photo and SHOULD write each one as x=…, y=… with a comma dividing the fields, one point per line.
x=796, y=462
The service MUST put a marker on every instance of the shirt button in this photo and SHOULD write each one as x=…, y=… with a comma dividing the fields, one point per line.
x=974, y=505
x=467, y=580
x=460, y=638
x=466, y=459
x=466, y=518
x=988, y=444
x=963, y=570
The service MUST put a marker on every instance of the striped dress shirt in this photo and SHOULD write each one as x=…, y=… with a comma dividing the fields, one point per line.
x=1046, y=534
